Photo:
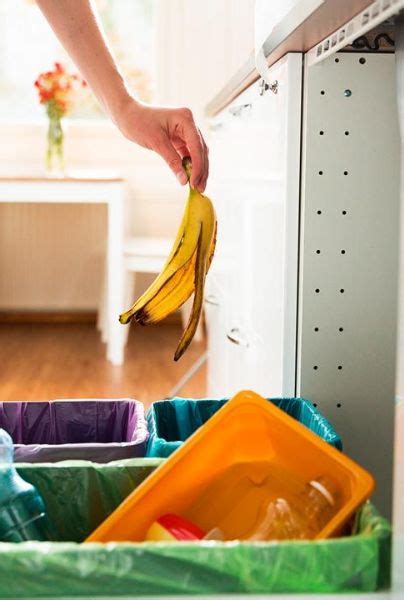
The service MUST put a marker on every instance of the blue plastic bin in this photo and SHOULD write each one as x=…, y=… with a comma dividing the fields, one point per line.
x=171, y=422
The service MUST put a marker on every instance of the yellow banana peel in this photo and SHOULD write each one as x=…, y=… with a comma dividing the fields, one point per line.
x=184, y=271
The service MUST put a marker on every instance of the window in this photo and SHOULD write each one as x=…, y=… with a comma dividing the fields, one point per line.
x=28, y=47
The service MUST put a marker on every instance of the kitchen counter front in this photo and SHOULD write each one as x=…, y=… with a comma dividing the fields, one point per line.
x=307, y=24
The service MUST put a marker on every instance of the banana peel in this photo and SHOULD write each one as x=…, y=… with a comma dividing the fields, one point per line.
x=185, y=269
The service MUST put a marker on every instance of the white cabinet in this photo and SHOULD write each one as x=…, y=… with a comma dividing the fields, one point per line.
x=251, y=291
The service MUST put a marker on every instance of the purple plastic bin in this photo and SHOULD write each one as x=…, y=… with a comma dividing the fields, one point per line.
x=96, y=430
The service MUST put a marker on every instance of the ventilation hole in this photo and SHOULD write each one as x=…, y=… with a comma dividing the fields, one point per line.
x=346, y=132
x=344, y=212
x=362, y=60
x=339, y=404
x=322, y=92
x=347, y=93
x=319, y=212
x=321, y=132
x=341, y=329
x=315, y=367
x=316, y=329
x=339, y=367
x=342, y=290
x=317, y=291
x=345, y=172
x=315, y=404
x=343, y=251
x=320, y=172
x=337, y=60
x=318, y=251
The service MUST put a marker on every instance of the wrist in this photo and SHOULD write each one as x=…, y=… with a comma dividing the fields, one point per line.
x=125, y=107
x=117, y=100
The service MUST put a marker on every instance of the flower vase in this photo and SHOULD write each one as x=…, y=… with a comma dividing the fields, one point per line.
x=54, y=154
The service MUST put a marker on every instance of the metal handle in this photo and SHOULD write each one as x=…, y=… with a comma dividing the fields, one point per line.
x=237, y=111
x=235, y=338
x=264, y=86
x=211, y=299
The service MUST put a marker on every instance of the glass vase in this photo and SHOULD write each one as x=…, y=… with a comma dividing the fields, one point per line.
x=54, y=154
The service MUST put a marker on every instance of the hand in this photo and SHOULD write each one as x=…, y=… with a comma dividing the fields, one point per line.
x=172, y=133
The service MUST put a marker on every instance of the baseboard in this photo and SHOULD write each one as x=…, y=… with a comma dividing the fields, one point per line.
x=47, y=316
x=64, y=316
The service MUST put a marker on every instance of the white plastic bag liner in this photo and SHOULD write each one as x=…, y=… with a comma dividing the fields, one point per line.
x=268, y=13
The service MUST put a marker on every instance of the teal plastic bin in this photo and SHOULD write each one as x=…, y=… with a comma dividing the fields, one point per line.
x=171, y=422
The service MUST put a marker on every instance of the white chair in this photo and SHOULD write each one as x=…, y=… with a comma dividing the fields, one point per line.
x=142, y=255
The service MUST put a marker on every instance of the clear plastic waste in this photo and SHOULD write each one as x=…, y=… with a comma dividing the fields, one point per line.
x=22, y=509
x=257, y=501
x=301, y=516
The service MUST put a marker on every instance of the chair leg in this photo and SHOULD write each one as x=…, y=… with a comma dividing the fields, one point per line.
x=185, y=314
x=102, y=312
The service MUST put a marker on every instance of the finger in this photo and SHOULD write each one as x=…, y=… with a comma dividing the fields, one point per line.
x=172, y=158
x=202, y=184
x=206, y=162
x=196, y=151
x=180, y=147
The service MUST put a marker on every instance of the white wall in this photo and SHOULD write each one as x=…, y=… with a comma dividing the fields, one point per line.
x=400, y=103
x=51, y=257
x=400, y=341
x=202, y=44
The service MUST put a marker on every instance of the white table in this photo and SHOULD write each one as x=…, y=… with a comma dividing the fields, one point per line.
x=84, y=188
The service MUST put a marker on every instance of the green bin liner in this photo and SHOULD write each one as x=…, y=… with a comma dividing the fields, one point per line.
x=50, y=569
x=79, y=495
x=171, y=422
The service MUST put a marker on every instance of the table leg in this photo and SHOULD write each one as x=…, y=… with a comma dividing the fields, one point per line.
x=114, y=280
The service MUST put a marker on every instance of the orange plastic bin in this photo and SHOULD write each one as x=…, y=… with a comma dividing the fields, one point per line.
x=204, y=480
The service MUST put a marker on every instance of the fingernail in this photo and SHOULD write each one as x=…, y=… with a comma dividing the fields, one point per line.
x=182, y=178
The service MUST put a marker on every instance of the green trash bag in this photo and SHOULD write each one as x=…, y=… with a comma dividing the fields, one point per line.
x=79, y=495
x=171, y=422
x=350, y=564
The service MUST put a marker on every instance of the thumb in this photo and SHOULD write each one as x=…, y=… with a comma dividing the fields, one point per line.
x=173, y=159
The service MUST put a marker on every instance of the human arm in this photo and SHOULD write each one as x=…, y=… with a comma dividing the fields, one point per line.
x=171, y=132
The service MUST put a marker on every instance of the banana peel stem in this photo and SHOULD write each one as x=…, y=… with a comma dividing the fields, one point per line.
x=187, y=166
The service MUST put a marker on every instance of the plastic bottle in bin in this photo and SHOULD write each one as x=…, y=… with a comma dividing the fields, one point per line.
x=302, y=516
x=22, y=510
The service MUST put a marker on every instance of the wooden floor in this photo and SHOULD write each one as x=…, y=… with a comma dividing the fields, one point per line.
x=44, y=362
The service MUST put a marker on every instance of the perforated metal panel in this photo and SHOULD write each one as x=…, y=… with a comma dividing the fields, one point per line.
x=349, y=254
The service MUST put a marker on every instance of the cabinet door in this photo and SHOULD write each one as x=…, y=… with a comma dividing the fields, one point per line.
x=255, y=151
x=215, y=319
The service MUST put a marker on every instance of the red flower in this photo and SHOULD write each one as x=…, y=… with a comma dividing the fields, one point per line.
x=58, y=87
